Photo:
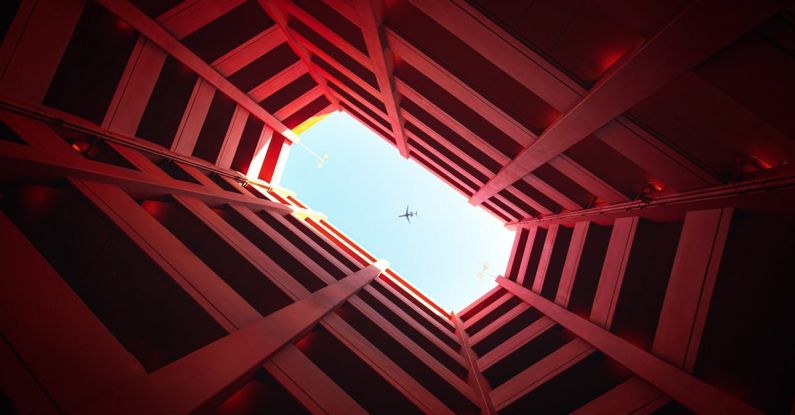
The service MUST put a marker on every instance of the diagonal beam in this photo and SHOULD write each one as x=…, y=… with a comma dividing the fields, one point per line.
x=475, y=378
x=372, y=15
x=278, y=81
x=320, y=53
x=157, y=34
x=683, y=387
x=536, y=74
x=165, y=391
x=304, y=17
x=494, y=115
x=248, y=52
x=696, y=33
x=275, y=12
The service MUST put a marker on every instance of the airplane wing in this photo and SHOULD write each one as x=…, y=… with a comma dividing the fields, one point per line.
x=407, y=210
x=407, y=218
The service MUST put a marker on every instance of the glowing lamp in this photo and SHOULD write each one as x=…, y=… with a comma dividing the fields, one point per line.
x=80, y=146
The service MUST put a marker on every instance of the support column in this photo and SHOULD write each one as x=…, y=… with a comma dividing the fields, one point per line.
x=528, y=248
x=232, y=138
x=695, y=394
x=34, y=45
x=572, y=263
x=135, y=87
x=546, y=255
x=275, y=159
x=475, y=377
x=185, y=385
x=690, y=286
x=193, y=118
x=281, y=163
x=260, y=151
x=616, y=257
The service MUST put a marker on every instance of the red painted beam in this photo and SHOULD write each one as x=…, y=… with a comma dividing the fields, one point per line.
x=768, y=191
x=696, y=33
x=381, y=63
x=167, y=391
x=475, y=377
x=274, y=10
x=691, y=392
x=147, y=27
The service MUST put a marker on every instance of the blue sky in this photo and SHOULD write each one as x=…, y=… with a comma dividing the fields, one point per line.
x=365, y=184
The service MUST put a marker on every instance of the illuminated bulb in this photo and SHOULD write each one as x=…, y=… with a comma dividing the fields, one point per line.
x=656, y=186
x=80, y=146
x=759, y=163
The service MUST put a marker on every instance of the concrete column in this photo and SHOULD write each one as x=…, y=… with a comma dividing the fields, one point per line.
x=572, y=263
x=616, y=257
x=232, y=137
x=281, y=163
x=135, y=87
x=260, y=151
x=690, y=286
x=528, y=248
x=695, y=394
x=34, y=45
x=475, y=377
x=546, y=255
x=193, y=118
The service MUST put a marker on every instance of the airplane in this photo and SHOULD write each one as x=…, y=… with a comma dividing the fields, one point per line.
x=408, y=214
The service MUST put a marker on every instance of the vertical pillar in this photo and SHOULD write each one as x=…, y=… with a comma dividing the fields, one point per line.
x=475, y=377
x=616, y=257
x=528, y=248
x=34, y=45
x=281, y=163
x=546, y=254
x=690, y=287
x=232, y=137
x=572, y=263
x=513, y=260
x=136, y=86
x=275, y=158
x=260, y=151
x=193, y=118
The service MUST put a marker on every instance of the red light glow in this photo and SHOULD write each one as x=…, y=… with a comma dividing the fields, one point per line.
x=609, y=59
x=80, y=146
x=759, y=163
x=123, y=26
x=656, y=186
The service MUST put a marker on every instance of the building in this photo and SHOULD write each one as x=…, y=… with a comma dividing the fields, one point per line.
x=642, y=150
